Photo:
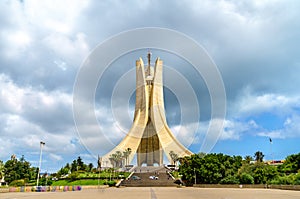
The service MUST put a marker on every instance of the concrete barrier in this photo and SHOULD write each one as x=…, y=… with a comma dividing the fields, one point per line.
x=41, y=189
x=4, y=190
x=95, y=186
x=249, y=186
x=285, y=187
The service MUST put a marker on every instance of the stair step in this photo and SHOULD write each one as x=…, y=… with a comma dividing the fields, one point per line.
x=143, y=173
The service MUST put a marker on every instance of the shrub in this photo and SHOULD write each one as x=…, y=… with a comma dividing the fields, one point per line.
x=246, y=178
x=297, y=179
x=73, y=176
x=44, y=180
x=230, y=180
x=17, y=183
x=110, y=183
x=284, y=180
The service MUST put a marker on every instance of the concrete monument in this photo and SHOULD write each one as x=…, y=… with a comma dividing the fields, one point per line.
x=150, y=134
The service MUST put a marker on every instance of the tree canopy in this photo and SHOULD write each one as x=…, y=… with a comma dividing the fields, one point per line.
x=15, y=169
x=223, y=169
x=200, y=168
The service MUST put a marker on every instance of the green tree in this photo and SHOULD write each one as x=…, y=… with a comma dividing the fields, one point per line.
x=67, y=166
x=46, y=181
x=291, y=164
x=174, y=157
x=119, y=158
x=230, y=180
x=116, y=159
x=74, y=176
x=113, y=161
x=80, y=164
x=90, y=166
x=297, y=179
x=248, y=159
x=1, y=170
x=259, y=156
x=209, y=169
x=283, y=180
x=74, y=166
x=15, y=169
x=263, y=173
x=220, y=168
x=126, y=154
x=63, y=171
x=246, y=178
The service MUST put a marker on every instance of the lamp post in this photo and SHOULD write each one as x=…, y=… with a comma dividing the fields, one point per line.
x=40, y=163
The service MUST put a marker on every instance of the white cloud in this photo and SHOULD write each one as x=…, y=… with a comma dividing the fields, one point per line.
x=272, y=134
x=249, y=48
x=250, y=103
x=186, y=133
x=11, y=96
x=232, y=129
x=37, y=106
x=52, y=22
x=74, y=50
x=29, y=115
x=55, y=157
x=7, y=147
x=19, y=41
x=290, y=129
x=52, y=15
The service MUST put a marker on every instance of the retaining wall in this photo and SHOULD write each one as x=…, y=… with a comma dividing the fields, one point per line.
x=40, y=189
x=249, y=186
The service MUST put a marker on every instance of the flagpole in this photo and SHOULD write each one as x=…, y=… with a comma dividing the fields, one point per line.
x=272, y=155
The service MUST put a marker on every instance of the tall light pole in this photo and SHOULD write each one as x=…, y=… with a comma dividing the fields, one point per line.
x=40, y=163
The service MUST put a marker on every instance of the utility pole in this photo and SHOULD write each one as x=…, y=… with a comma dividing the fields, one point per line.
x=40, y=163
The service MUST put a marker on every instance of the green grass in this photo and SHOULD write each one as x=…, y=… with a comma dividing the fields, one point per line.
x=103, y=174
x=78, y=182
x=175, y=174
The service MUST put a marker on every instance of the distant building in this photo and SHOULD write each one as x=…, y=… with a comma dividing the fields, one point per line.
x=270, y=162
x=274, y=162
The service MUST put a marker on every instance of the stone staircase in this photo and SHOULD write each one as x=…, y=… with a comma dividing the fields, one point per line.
x=140, y=178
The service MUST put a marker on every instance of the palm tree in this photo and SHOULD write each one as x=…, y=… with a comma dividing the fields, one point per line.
x=116, y=159
x=173, y=156
x=113, y=160
x=248, y=159
x=126, y=154
x=259, y=156
x=119, y=158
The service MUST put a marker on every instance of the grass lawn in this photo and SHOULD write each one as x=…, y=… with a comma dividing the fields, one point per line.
x=103, y=174
x=82, y=178
x=78, y=182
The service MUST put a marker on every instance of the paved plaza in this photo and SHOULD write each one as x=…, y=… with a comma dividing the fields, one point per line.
x=160, y=193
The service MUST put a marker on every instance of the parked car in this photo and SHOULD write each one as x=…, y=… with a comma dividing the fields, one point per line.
x=135, y=178
x=153, y=177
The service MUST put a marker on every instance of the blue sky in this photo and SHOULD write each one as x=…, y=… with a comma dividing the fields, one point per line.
x=255, y=45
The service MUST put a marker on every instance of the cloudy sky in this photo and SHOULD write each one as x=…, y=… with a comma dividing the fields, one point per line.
x=43, y=44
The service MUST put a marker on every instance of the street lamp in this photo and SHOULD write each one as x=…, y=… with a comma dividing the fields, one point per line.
x=40, y=163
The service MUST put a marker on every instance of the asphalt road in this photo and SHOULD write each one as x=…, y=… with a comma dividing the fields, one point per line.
x=160, y=193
